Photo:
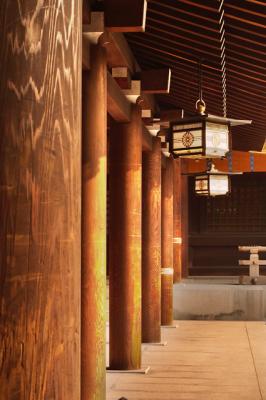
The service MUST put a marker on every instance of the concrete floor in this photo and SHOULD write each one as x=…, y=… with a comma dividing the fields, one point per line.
x=210, y=360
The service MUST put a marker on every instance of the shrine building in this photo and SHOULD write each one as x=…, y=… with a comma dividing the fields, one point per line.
x=132, y=200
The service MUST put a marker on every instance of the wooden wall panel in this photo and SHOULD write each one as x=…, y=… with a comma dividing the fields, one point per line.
x=219, y=225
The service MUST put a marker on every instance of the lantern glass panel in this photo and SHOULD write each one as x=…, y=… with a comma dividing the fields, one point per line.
x=187, y=138
x=219, y=185
x=202, y=185
x=216, y=139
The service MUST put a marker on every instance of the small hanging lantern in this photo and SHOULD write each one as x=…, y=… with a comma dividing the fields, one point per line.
x=202, y=135
x=213, y=182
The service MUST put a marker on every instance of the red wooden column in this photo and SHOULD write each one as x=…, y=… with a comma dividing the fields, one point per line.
x=40, y=197
x=151, y=244
x=94, y=177
x=184, y=220
x=177, y=239
x=167, y=243
x=125, y=243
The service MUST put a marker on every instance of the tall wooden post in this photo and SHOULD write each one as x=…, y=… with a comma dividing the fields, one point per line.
x=125, y=243
x=184, y=225
x=167, y=243
x=94, y=177
x=177, y=239
x=151, y=244
x=40, y=196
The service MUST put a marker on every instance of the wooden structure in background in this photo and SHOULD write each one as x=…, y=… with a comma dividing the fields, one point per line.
x=40, y=181
x=219, y=225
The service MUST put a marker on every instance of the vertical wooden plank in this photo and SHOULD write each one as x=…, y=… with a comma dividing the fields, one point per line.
x=125, y=243
x=40, y=115
x=94, y=185
x=167, y=244
x=177, y=239
x=151, y=243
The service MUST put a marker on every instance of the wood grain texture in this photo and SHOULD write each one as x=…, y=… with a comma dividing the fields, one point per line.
x=184, y=224
x=151, y=243
x=94, y=185
x=40, y=97
x=125, y=243
x=167, y=242
x=177, y=221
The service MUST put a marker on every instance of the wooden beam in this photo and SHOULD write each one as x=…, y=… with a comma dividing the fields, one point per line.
x=122, y=76
x=95, y=29
x=133, y=93
x=117, y=104
x=156, y=80
x=118, y=51
x=241, y=162
x=146, y=139
x=147, y=102
x=125, y=16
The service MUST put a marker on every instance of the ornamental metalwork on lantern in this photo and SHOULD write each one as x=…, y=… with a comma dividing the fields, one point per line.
x=203, y=135
x=213, y=182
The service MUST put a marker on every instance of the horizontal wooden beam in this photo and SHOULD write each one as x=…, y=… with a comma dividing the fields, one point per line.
x=156, y=80
x=146, y=139
x=118, y=51
x=125, y=15
x=240, y=162
x=117, y=104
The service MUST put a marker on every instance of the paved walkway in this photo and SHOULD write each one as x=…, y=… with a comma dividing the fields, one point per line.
x=210, y=360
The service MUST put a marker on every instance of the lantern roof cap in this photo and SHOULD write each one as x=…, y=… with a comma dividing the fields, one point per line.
x=213, y=118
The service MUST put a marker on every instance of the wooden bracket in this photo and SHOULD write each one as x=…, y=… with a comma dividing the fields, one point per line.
x=133, y=93
x=95, y=29
x=122, y=76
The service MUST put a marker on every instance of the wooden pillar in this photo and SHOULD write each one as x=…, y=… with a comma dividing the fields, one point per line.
x=40, y=197
x=177, y=239
x=151, y=244
x=94, y=177
x=167, y=243
x=125, y=243
x=184, y=227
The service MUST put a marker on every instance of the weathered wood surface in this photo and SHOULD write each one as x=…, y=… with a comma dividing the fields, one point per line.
x=151, y=243
x=177, y=239
x=40, y=96
x=125, y=243
x=167, y=243
x=94, y=182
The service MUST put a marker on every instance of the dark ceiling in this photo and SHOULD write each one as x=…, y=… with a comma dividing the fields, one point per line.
x=230, y=38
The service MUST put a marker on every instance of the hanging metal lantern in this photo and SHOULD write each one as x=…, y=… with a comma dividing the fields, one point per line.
x=202, y=135
x=213, y=182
